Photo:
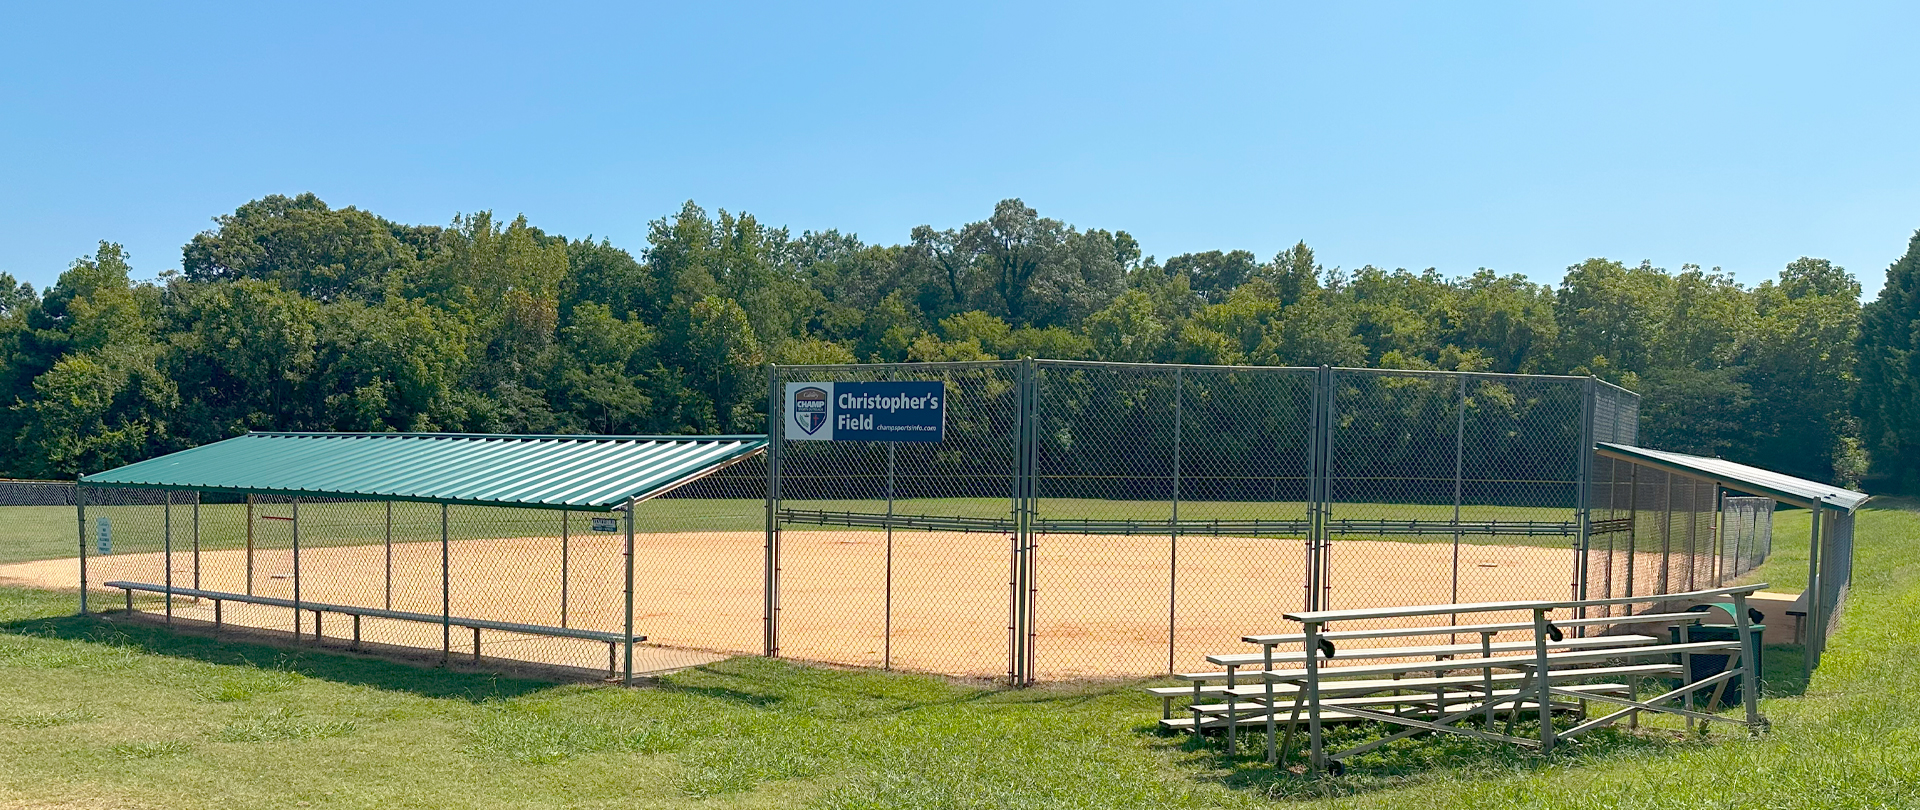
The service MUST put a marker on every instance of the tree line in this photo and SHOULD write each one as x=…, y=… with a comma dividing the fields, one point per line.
x=290, y=314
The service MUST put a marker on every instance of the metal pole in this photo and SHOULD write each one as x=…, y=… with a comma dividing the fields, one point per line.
x=166, y=558
x=565, y=519
x=1693, y=534
x=389, y=600
x=296, y=570
x=1316, y=486
x=627, y=667
x=1665, y=584
x=196, y=543
x=1815, y=634
x=1173, y=535
x=80, y=507
x=446, y=597
x=1016, y=467
x=1633, y=529
x=1583, y=545
x=1544, y=683
x=1024, y=527
x=1325, y=538
x=770, y=574
x=1459, y=464
x=886, y=642
x=1316, y=759
x=1749, y=671
x=249, y=544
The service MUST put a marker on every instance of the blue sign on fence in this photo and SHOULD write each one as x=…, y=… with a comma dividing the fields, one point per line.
x=106, y=535
x=867, y=411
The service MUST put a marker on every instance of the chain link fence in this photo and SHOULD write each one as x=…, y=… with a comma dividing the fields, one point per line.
x=1116, y=519
x=1746, y=534
x=1079, y=520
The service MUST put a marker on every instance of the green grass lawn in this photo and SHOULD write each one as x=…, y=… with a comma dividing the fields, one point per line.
x=51, y=532
x=97, y=714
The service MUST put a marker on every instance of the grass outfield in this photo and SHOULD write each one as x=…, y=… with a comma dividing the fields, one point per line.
x=50, y=532
x=93, y=714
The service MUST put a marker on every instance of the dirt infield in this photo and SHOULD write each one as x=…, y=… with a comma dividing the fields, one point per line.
x=1104, y=604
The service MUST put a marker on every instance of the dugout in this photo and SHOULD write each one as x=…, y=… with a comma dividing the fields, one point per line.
x=1830, y=540
x=513, y=547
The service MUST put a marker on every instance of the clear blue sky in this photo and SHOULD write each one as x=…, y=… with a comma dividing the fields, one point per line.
x=1520, y=137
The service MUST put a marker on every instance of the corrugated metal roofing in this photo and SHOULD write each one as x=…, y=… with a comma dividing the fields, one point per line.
x=545, y=471
x=1797, y=491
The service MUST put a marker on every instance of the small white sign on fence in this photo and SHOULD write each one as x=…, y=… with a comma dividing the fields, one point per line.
x=106, y=535
x=606, y=524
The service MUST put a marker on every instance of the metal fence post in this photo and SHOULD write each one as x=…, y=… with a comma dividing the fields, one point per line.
x=1664, y=584
x=166, y=545
x=1633, y=528
x=770, y=576
x=296, y=570
x=389, y=588
x=1173, y=533
x=1017, y=480
x=886, y=630
x=196, y=543
x=1459, y=464
x=627, y=666
x=1323, y=556
x=1316, y=485
x=249, y=544
x=446, y=595
x=80, y=507
x=1816, y=631
x=565, y=525
x=1583, y=544
x=1025, y=506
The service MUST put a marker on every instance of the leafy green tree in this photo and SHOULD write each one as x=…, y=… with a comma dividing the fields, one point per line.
x=1509, y=319
x=1800, y=367
x=1610, y=317
x=245, y=350
x=604, y=381
x=1128, y=330
x=302, y=245
x=1214, y=274
x=1889, y=375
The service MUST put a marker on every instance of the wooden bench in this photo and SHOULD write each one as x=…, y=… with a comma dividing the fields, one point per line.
x=611, y=639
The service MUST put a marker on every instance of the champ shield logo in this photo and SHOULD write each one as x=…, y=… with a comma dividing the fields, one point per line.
x=810, y=408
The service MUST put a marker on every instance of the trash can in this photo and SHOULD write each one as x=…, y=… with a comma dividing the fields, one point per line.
x=1707, y=665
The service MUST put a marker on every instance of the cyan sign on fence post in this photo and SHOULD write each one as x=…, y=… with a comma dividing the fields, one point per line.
x=866, y=411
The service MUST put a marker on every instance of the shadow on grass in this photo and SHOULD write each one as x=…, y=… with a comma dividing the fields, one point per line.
x=1783, y=670
x=1430, y=758
x=322, y=664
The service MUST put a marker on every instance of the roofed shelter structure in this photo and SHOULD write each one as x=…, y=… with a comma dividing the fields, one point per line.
x=1638, y=474
x=522, y=545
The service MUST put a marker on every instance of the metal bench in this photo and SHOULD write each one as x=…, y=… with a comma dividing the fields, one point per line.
x=611, y=639
x=1543, y=676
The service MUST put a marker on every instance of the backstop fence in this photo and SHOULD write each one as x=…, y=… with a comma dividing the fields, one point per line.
x=1132, y=517
x=1078, y=520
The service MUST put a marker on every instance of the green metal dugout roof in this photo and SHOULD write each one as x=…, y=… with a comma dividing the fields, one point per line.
x=1783, y=487
x=505, y=470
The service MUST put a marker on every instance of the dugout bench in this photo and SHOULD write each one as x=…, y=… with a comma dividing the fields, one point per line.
x=612, y=640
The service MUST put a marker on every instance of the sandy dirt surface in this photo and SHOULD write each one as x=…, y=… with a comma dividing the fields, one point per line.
x=1104, y=604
